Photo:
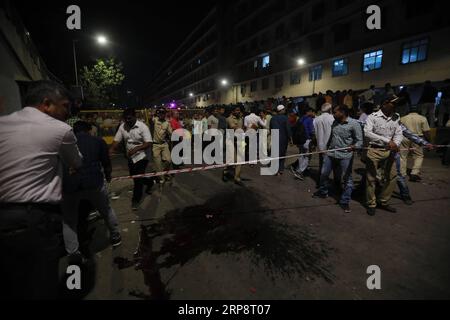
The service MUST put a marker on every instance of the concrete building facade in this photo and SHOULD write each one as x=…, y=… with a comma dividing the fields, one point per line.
x=261, y=44
x=20, y=62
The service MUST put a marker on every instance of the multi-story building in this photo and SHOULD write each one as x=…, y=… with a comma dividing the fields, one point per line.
x=20, y=61
x=295, y=48
x=193, y=67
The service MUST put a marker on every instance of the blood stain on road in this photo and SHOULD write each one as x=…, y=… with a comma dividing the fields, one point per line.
x=232, y=223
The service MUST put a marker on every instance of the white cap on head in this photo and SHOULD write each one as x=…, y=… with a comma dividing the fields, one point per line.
x=280, y=107
x=326, y=107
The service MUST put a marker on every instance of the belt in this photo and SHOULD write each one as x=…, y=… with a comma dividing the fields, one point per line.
x=29, y=205
x=374, y=146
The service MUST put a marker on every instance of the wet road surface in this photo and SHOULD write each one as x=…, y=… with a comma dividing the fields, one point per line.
x=201, y=238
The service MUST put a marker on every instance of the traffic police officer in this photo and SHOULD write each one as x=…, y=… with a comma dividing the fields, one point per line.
x=161, y=137
x=235, y=122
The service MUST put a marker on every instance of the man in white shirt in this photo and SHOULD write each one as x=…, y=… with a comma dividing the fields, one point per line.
x=385, y=135
x=213, y=126
x=368, y=95
x=252, y=121
x=322, y=128
x=213, y=122
x=137, y=138
x=418, y=125
x=34, y=144
x=197, y=125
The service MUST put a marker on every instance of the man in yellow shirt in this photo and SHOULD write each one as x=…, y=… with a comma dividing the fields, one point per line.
x=235, y=122
x=161, y=136
x=417, y=124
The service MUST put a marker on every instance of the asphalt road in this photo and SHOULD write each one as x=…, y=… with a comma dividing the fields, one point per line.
x=201, y=238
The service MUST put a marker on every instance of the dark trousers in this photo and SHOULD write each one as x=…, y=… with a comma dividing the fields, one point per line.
x=283, y=145
x=446, y=157
x=135, y=169
x=342, y=170
x=30, y=243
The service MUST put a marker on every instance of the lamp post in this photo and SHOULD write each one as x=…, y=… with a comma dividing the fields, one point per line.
x=102, y=40
x=224, y=83
x=301, y=62
x=76, y=67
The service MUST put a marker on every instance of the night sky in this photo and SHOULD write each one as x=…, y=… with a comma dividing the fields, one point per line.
x=142, y=33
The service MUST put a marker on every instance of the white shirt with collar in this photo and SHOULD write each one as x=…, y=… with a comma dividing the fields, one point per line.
x=33, y=148
x=322, y=129
x=380, y=129
x=253, y=120
x=136, y=136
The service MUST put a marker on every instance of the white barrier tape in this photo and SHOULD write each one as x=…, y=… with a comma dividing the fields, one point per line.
x=219, y=166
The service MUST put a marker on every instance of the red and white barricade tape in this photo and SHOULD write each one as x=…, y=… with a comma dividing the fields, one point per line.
x=225, y=165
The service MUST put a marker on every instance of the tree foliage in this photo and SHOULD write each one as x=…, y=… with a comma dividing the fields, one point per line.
x=102, y=80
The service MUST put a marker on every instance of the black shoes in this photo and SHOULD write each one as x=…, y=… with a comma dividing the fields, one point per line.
x=297, y=175
x=317, y=194
x=224, y=177
x=346, y=208
x=135, y=206
x=387, y=208
x=408, y=201
x=148, y=189
x=116, y=240
x=415, y=178
x=239, y=183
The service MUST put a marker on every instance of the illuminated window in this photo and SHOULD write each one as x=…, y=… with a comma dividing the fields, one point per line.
x=339, y=67
x=415, y=51
x=372, y=60
x=265, y=61
x=315, y=73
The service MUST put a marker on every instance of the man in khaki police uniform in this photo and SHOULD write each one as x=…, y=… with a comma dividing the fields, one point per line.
x=161, y=136
x=419, y=125
x=235, y=122
x=385, y=135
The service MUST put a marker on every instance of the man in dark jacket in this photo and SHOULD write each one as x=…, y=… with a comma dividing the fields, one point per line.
x=280, y=123
x=307, y=120
x=87, y=183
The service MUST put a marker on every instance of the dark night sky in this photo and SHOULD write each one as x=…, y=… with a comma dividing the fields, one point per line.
x=143, y=33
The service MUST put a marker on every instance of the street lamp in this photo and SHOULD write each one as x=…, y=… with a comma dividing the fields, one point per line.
x=300, y=61
x=191, y=94
x=102, y=40
x=224, y=82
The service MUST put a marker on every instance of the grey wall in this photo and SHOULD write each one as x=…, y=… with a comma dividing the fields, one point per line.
x=19, y=61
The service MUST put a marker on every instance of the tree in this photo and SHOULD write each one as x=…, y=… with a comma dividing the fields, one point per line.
x=101, y=81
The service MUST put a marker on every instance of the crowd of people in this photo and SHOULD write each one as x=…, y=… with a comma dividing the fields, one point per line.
x=384, y=127
x=62, y=162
